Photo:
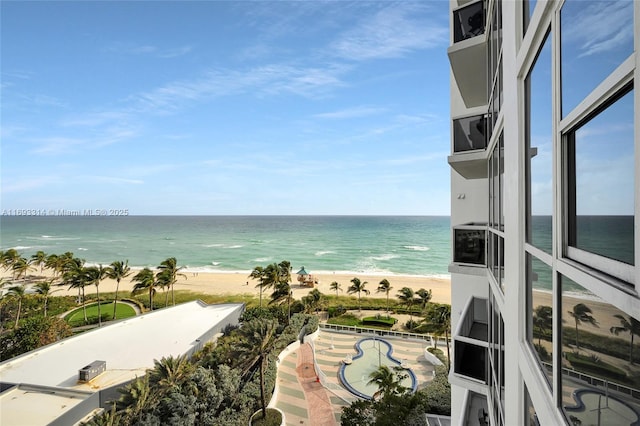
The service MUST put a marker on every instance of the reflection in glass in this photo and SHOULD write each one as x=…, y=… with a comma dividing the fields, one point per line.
x=602, y=206
x=596, y=37
x=540, y=313
x=469, y=133
x=468, y=22
x=529, y=7
x=530, y=416
x=539, y=150
x=469, y=246
x=600, y=371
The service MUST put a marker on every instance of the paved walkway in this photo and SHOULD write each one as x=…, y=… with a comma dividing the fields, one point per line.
x=305, y=401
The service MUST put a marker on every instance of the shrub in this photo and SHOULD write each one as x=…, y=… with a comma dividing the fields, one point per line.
x=411, y=324
x=598, y=368
x=379, y=321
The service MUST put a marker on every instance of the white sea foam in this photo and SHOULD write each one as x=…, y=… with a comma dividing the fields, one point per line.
x=322, y=253
x=237, y=246
x=21, y=248
x=212, y=245
x=387, y=256
x=417, y=248
x=261, y=259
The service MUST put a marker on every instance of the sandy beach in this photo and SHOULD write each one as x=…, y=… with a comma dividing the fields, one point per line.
x=236, y=283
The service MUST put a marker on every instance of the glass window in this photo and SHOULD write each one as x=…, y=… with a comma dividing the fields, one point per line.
x=596, y=37
x=530, y=416
x=469, y=245
x=539, y=150
x=540, y=313
x=469, y=133
x=529, y=7
x=600, y=359
x=601, y=189
x=468, y=22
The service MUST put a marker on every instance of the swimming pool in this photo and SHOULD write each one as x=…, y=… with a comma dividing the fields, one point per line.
x=372, y=353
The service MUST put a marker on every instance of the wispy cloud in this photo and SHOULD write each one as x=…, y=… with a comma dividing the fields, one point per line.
x=113, y=180
x=599, y=26
x=390, y=33
x=145, y=49
x=271, y=79
x=355, y=112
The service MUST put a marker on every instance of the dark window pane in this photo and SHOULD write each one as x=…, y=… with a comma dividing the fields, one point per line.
x=468, y=22
x=469, y=246
x=469, y=133
x=596, y=37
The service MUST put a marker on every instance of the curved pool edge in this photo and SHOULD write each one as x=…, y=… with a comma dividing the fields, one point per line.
x=389, y=354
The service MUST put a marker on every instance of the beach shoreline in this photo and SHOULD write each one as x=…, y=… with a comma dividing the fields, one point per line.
x=239, y=283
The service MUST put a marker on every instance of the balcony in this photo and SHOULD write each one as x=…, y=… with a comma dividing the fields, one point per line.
x=469, y=249
x=471, y=342
x=469, y=147
x=468, y=54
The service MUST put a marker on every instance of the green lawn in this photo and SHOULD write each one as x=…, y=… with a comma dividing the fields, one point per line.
x=76, y=317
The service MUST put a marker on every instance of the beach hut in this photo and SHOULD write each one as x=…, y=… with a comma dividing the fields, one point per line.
x=306, y=279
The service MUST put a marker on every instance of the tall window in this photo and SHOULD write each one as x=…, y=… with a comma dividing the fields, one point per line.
x=540, y=313
x=600, y=354
x=539, y=150
x=600, y=185
x=596, y=37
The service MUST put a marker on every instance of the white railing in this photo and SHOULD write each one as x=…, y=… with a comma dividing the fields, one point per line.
x=596, y=381
x=389, y=333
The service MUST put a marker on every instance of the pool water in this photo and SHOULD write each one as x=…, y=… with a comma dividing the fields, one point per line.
x=372, y=353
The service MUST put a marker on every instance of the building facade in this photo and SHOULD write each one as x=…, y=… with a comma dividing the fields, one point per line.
x=545, y=192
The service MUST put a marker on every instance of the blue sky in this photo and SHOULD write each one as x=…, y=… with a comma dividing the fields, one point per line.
x=226, y=107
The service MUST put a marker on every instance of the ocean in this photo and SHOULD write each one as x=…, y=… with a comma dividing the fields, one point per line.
x=390, y=245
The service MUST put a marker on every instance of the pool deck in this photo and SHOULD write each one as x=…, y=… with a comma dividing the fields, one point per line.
x=306, y=401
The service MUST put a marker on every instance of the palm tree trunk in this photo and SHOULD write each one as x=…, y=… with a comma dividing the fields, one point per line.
x=45, y=306
x=150, y=299
x=173, y=299
x=99, y=314
x=84, y=307
x=115, y=299
x=166, y=298
x=15, y=326
x=631, y=350
x=577, y=347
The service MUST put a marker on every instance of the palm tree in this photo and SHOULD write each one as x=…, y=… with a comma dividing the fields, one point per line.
x=135, y=397
x=282, y=292
x=39, y=259
x=543, y=319
x=335, y=287
x=20, y=268
x=8, y=258
x=163, y=280
x=630, y=325
x=145, y=281
x=424, y=297
x=170, y=372
x=385, y=287
x=387, y=382
x=440, y=318
x=258, y=341
x=170, y=267
x=258, y=274
x=17, y=292
x=407, y=297
x=316, y=298
x=358, y=287
x=95, y=274
x=117, y=271
x=44, y=289
x=582, y=313
x=51, y=262
x=74, y=276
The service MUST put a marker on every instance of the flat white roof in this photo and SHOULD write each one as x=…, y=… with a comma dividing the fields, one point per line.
x=30, y=407
x=128, y=347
